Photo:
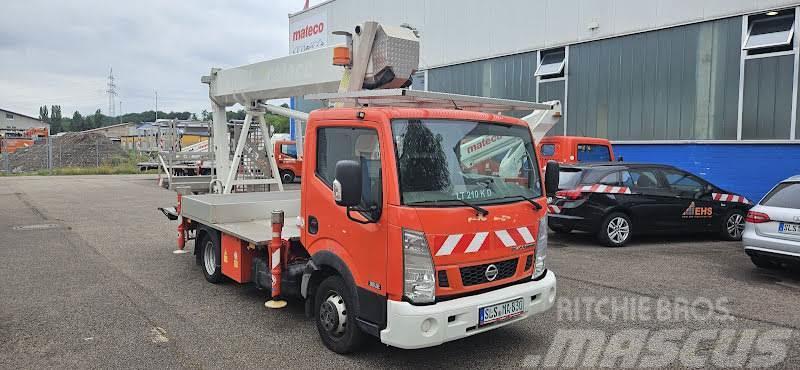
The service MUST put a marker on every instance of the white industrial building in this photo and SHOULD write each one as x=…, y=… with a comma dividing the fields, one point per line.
x=17, y=123
x=709, y=86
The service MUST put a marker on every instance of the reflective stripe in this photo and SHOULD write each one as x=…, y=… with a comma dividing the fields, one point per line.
x=526, y=234
x=449, y=244
x=276, y=258
x=615, y=189
x=505, y=238
x=476, y=243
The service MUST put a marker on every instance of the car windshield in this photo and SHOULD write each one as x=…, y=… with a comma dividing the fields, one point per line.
x=450, y=161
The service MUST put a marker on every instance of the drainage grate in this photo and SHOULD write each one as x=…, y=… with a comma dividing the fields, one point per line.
x=37, y=227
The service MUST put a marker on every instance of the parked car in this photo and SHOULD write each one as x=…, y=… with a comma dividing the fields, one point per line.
x=618, y=200
x=574, y=149
x=772, y=230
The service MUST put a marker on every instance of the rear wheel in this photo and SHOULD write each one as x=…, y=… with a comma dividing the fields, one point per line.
x=287, y=176
x=335, y=316
x=615, y=230
x=733, y=225
x=210, y=249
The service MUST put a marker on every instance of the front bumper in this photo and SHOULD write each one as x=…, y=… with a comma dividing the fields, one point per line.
x=458, y=318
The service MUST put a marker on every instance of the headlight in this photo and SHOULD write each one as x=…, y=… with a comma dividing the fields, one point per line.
x=541, y=248
x=419, y=284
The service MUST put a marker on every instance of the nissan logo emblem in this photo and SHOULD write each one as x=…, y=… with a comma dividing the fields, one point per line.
x=491, y=272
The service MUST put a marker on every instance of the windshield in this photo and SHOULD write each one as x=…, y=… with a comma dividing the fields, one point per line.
x=454, y=161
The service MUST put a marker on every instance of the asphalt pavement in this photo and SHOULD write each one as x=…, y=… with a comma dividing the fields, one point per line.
x=89, y=280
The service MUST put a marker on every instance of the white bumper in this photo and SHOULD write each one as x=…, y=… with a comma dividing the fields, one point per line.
x=404, y=321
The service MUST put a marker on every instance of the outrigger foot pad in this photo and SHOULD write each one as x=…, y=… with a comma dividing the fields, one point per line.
x=275, y=304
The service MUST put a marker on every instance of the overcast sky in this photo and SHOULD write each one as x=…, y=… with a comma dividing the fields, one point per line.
x=60, y=52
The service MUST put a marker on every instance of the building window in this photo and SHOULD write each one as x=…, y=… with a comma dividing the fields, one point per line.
x=418, y=80
x=770, y=32
x=9, y=116
x=551, y=64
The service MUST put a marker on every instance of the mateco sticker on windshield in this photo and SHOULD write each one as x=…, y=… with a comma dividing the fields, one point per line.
x=516, y=238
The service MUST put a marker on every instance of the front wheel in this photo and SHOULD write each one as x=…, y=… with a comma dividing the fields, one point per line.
x=733, y=225
x=615, y=230
x=335, y=317
x=287, y=176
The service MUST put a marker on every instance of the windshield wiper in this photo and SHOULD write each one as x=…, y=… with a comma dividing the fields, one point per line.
x=481, y=211
x=530, y=200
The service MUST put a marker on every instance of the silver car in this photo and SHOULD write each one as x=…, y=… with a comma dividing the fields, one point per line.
x=772, y=230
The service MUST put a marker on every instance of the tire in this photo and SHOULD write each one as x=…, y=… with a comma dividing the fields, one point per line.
x=287, y=176
x=615, y=230
x=338, y=330
x=732, y=225
x=764, y=263
x=210, y=259
x=560, y=229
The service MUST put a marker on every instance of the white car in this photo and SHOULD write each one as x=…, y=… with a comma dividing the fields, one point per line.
x=772, y=230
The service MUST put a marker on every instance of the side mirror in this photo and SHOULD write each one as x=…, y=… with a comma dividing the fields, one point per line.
x=551, y=174
x=347, y=183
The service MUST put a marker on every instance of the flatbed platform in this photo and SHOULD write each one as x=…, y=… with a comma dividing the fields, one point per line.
x=245, y=215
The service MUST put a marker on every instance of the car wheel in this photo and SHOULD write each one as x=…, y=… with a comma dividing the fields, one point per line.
x=560, y=229
x=733, y=225
x=335, y=316
x=615, y=230
x=287, y=176
x=211, y=261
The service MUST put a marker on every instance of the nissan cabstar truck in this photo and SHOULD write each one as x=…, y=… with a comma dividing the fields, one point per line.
x=395, y=232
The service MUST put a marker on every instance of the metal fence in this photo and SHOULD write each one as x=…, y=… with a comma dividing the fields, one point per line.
x=52, y=153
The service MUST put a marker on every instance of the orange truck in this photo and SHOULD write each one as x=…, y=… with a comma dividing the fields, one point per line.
x=10, y=144
x=574, y=149
x=289, y=163
x=395, y=232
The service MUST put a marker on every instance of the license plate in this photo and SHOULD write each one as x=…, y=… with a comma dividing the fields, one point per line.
x=786, y=228
x=500, y=311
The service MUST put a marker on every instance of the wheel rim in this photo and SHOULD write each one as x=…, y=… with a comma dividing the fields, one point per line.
x=735, y=225
x=333, y=315
x=209, y=259
x=287, y=177
x=618, y=230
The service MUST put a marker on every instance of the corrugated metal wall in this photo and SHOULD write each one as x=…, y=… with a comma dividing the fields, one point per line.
x=767, y=101
x=730, y=166
x=509, y=77
x=678, y=83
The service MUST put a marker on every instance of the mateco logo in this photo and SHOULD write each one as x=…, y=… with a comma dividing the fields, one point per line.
x=309, y=33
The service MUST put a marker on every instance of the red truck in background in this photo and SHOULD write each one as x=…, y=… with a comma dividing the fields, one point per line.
x=289, y=165
x=574, y=149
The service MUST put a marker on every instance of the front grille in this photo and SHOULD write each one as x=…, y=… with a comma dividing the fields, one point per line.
x=528, y=262
x=442, y=277
x=474, y=275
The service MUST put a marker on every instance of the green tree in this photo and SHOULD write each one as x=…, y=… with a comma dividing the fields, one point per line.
x=77, y=123
x=43, y=116
x=55, y=119
x=205, y=115
x=98, y=119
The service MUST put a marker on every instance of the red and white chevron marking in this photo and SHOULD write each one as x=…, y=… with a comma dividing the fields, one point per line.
x=471, y=243
x=733, y=198
x=608, y=189
x=554, y=209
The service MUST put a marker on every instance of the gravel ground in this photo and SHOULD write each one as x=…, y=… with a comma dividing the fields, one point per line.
x=94, y=284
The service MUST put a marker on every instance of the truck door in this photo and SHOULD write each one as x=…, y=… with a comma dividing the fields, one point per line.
x=362, y=246
x=698, y=208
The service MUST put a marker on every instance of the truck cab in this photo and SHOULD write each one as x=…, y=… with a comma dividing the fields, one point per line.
x=574, y=149
x=286, y=156
x=430, y=250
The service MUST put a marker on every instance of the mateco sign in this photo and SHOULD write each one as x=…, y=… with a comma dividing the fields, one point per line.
x=308, y=33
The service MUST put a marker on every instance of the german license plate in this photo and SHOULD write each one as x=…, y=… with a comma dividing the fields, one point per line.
x=501, y=311
x=787, y=228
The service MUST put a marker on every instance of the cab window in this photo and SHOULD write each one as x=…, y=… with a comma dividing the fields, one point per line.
x=335, y=144
x=289, y=150
x=683, y=184
x=548, y=150
x=593, y=153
